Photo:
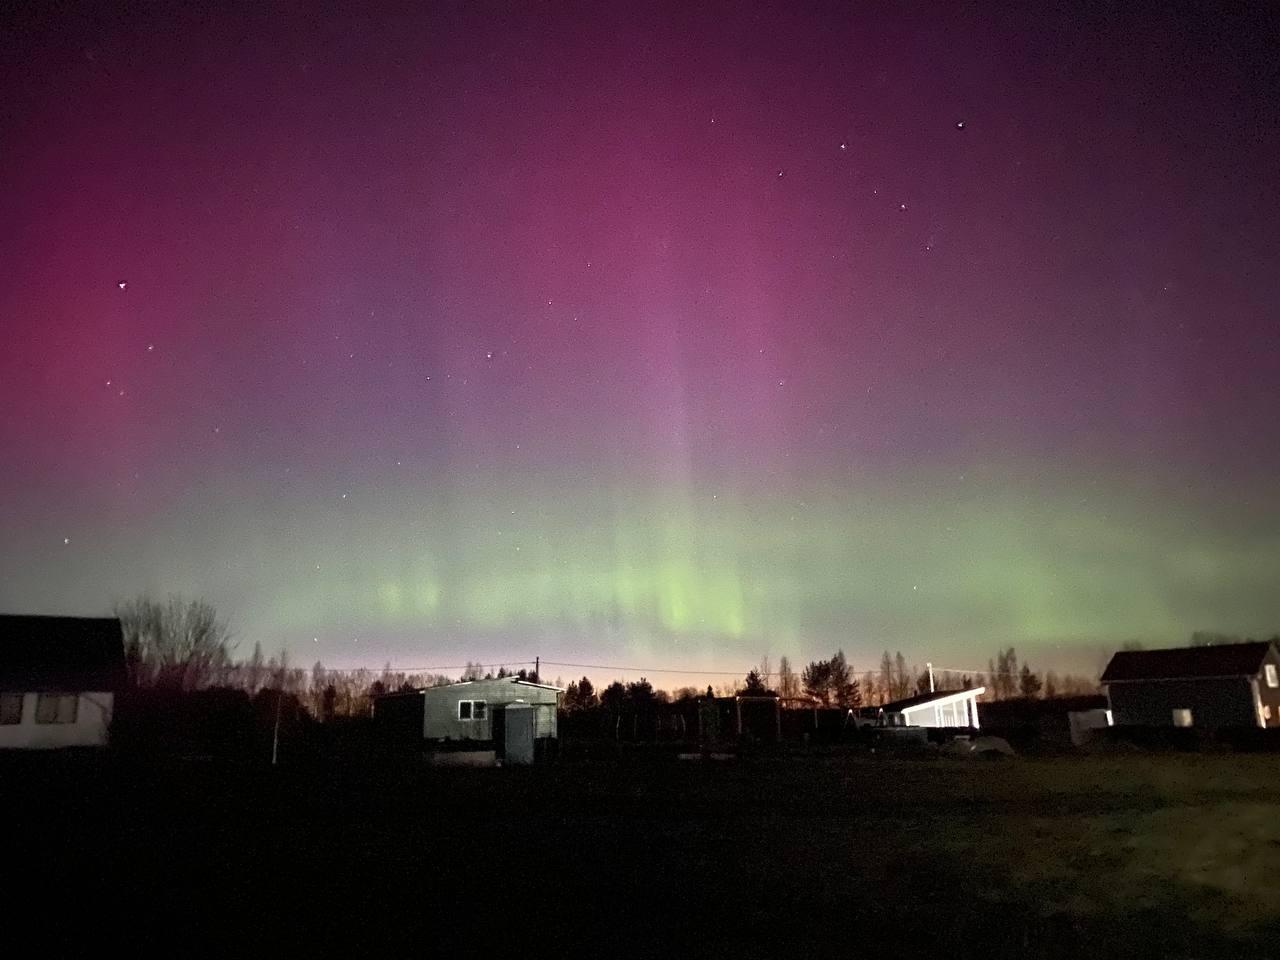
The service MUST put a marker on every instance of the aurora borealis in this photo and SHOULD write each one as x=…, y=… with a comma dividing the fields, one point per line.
x=677, y=334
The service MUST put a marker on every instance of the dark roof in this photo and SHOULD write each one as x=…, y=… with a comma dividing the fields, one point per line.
x=61, y=653
x=1223, y=660
x=921, y=698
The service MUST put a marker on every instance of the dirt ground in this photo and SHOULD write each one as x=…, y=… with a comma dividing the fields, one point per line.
x=1124, y=856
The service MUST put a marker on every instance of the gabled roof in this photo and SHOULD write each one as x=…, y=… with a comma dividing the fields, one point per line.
x=1187, y=663
x=937, y=696
x=61, y=653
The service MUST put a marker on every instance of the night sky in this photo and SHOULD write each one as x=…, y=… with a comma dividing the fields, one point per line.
x=665, y=334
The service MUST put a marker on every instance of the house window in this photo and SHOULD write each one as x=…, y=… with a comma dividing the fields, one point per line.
x=1182, y=717
x=56, y=708
x=472, y=709
x=464, y=709
x=10, y=708
x=1272, y=679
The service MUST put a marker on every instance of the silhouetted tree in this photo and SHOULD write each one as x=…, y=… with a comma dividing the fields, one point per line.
x=754, y=685
x=178, y=644
x=901, y=677
x=817, y=681
x=640, y=693
x=844, y=685
x=1028, y=682
x=788, y=682
x=580, y=695
x=613, y=697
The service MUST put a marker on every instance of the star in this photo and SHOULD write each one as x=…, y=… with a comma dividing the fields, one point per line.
x=959, y=124
x=151, y=347
x=780, y=173
x=488, y=354
x=844, y=146
x=902, y=206
x=122, y=284
x=66, y=540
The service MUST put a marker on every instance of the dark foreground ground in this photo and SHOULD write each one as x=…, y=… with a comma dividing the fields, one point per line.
x=1136, y=856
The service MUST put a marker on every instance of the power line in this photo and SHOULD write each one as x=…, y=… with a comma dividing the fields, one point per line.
x=455, y=666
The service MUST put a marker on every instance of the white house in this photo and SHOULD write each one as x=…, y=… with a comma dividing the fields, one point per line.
x=59, y=677
x=941, y=708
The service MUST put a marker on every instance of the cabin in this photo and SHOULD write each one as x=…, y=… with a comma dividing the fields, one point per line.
x=510, y=714
x=59, y=677
x=1226, y=685
x=938, y=708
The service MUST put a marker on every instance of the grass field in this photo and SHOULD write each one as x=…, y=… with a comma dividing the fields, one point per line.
x=1133, y=856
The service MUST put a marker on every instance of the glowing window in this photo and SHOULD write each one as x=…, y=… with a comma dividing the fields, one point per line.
x=1182, y=717
x=10, y=708
x=1272, y=679
x=1266, y=713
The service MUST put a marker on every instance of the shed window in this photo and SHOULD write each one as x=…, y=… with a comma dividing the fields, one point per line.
x=464, y=709
x=56, y=708
x=1272, y=679
x=10, y=708
x=472, y=709
x=1182, y=717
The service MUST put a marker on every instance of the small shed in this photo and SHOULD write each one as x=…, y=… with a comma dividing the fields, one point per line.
x=940, y=708
x=471, y=710
x=1224, y=685
x=59, y=677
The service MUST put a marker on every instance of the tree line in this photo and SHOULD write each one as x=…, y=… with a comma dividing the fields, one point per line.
x=185, y=645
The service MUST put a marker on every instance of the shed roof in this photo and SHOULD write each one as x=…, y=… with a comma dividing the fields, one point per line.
x=61, y=653
x=1190, y=663
x=921, y=699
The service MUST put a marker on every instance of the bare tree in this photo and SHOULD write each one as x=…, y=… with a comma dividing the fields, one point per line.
x=902, y=677
x=179, y=644
x=788, y=682
x=870, y=692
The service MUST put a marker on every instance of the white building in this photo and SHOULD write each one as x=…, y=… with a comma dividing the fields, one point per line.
x=942, y=708
x=59, y=677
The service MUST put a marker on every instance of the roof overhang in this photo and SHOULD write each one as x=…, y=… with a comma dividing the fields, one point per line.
x=951, y=696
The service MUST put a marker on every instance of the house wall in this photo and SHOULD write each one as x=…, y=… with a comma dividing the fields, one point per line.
x=440, y=709
x=93, y=722
x=1270, y=696
x=1213, y=703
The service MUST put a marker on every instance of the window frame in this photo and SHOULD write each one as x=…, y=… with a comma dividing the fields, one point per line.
x=1272, y=675
x=14, y=695
x=472, y=714
x=1183, y=713
x=59, y=717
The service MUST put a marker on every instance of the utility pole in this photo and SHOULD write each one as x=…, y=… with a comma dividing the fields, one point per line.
x=537, y=672
x=275, y=733
x=930, y=666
